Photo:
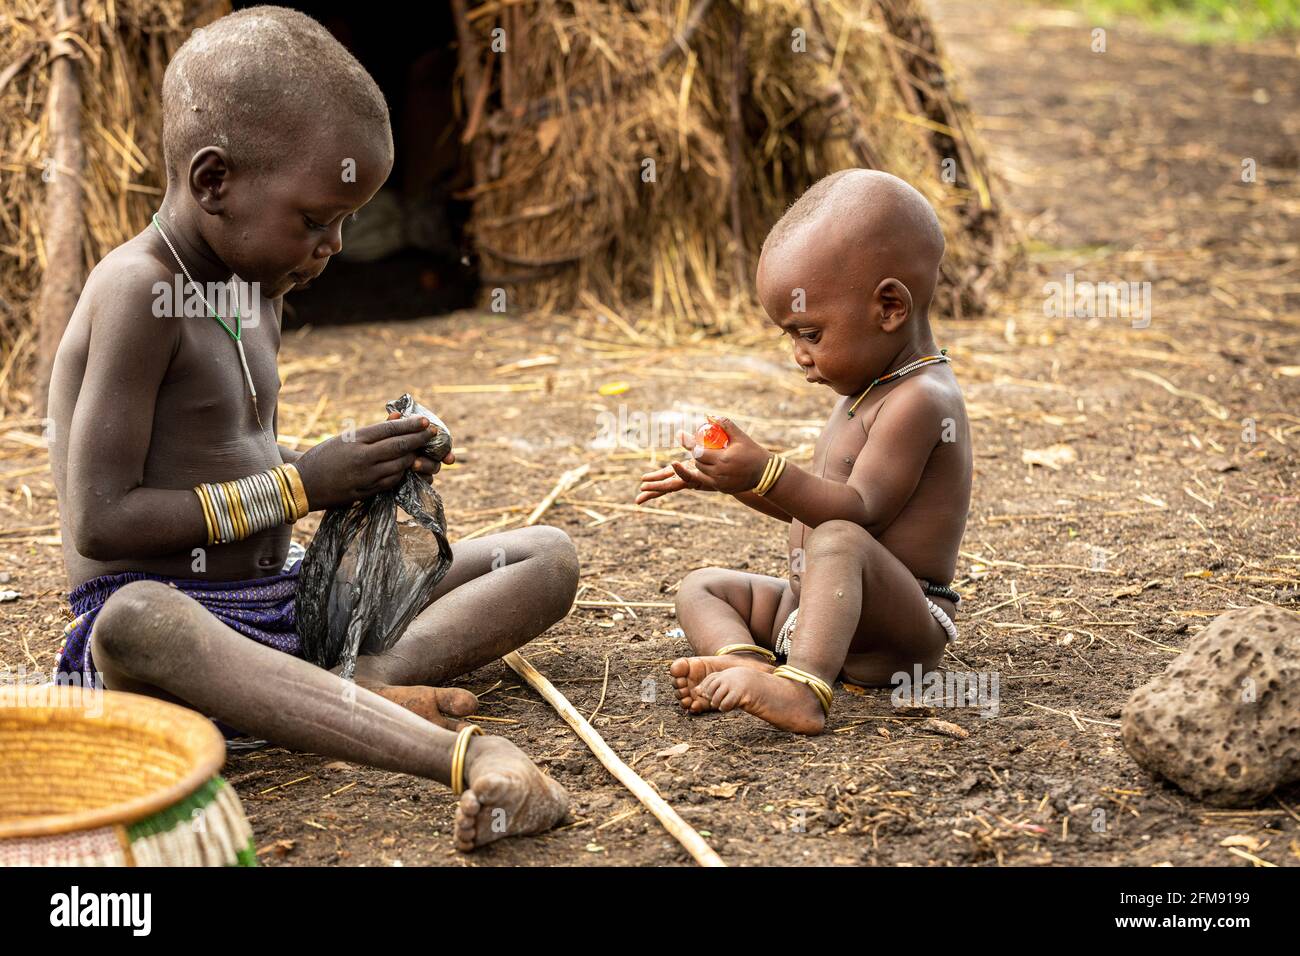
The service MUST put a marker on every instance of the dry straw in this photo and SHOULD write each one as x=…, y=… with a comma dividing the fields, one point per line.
x=740, y=107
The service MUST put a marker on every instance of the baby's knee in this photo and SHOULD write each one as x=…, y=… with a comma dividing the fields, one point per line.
x=702, y=582
x=127, y=630
x=839, y=539
x=708, y=580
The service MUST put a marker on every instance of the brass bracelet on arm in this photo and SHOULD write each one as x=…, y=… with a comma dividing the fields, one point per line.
x=234, y=510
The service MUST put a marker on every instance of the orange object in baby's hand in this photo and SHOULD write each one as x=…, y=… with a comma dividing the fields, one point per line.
x=712, y=435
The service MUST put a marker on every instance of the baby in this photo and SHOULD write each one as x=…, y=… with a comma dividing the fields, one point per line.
x=875, y=523
x=176, y=502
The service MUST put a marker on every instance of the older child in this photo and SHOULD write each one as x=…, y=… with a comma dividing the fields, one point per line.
x=848, y=274
x=176, y=503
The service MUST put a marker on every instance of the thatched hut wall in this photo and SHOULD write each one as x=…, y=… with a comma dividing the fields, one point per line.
x=120, y=49
x=739, y=105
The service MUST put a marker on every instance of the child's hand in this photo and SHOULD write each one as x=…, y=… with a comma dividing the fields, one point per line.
x=731, y=470
x=423, y=464
x=671, y=477
x=336, y=472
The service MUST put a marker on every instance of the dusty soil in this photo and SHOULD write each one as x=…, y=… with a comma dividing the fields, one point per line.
x=1080, y=581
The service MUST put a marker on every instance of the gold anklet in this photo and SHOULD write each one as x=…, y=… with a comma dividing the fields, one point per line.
x=233, y=510
x=458, y=751
x=771, y=472
x=745, y=649
x=819, y=686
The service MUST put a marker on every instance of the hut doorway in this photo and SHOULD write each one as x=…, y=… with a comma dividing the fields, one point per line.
x=407, y=254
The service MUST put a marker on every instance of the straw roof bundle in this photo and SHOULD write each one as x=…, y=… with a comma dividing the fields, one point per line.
x=121, y=48
x=740, y=105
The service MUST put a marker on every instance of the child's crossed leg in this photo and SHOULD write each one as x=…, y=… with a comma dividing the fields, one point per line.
x=862, y=614
x=501, y=591
x=153, y=639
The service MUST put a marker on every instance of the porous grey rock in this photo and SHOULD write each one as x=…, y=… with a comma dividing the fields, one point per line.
x=1223, y=721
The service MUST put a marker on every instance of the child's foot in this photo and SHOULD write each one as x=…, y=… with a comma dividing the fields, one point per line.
x=687, y=672
x=438, y=705
x=507, y=795
x=782, y=703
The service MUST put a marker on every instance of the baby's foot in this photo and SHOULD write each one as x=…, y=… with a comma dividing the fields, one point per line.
x=507, y=795
x=687, y=672
x=438, y=705
x=782, y=703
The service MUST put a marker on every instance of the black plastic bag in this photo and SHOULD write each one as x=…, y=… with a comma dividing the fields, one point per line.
x=365, y=575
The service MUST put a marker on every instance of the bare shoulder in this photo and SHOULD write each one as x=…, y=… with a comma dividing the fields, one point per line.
x=928, y=394
x=122, y=296
x=128, y=268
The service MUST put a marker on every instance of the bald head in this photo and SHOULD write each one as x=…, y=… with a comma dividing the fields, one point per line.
x=870, y=220
x=258, y=83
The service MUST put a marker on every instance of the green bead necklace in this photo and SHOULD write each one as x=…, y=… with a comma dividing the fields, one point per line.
x=237, y=333
x=899, y=373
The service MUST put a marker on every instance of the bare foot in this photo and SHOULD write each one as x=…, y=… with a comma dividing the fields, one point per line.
x=438, y=705
x=782, y=703
x=687, y=672
x=507, y=795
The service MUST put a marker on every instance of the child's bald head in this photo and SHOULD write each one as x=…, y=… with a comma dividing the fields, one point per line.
x=258, y=83
x=865, y=220
x=848, y=274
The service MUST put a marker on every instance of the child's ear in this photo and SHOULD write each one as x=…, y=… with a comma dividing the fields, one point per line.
x=209, y=174
x=893, y=302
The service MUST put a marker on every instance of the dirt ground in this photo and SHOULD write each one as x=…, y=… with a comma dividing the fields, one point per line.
x=1168, y=496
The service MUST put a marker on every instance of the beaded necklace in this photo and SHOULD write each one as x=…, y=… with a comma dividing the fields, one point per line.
x=899, y=373
x=237, y=333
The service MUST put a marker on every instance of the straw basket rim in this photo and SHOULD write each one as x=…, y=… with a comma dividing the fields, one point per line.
x=200, y=737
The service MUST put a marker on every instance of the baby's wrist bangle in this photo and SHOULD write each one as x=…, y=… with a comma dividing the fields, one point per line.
x=233, y=510
x=771, y=472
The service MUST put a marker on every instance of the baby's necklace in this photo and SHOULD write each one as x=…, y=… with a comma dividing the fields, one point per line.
x=237, y=333
x=899, y=373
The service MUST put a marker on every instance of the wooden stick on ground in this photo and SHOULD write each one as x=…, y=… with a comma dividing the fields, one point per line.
x=681, y=831
x=567, y=481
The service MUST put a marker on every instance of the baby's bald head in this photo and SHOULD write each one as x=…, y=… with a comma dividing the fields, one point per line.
x=864, y=219
x=258, y=83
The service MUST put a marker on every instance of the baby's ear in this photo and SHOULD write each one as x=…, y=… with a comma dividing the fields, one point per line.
x=893, y=304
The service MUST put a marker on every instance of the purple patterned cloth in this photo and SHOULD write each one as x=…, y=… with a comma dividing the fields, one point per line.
x=258, y=608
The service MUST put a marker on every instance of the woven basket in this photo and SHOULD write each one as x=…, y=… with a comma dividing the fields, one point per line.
x=113, y=779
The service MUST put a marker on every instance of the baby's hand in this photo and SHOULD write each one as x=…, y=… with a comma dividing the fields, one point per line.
x=672, y=477
x=731, y=470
